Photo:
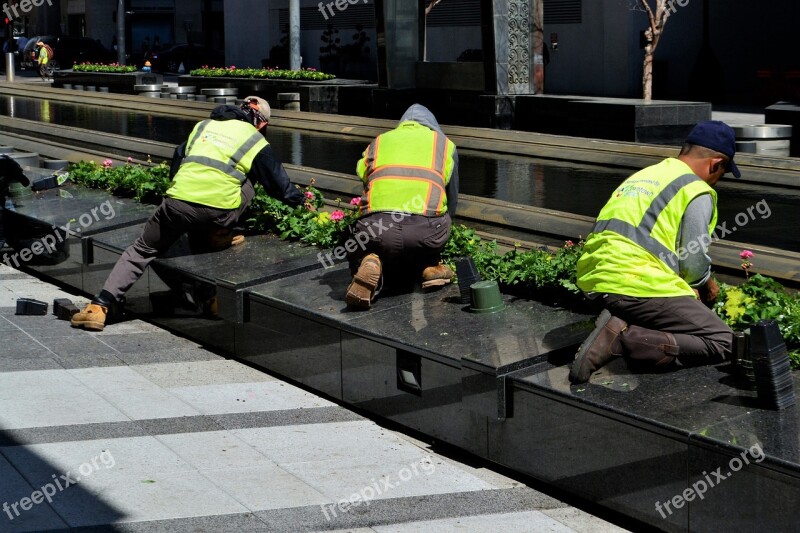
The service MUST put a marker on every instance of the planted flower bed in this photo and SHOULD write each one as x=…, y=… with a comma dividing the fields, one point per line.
x=309, y=74
x=541, y=274
x=112, y=68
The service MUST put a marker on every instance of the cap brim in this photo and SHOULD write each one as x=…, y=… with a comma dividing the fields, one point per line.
x=735, y=170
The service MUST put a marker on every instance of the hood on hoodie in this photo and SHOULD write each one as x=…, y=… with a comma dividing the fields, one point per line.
x=420, y=113
x=229, y=112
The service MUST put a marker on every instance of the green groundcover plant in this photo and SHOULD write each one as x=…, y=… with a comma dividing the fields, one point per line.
x=548, y=274
x=113, y=68
x=262, y=73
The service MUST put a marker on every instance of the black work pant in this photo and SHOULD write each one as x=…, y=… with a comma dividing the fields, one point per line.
x=405, y=243
x=171, y=220
x=702, y=336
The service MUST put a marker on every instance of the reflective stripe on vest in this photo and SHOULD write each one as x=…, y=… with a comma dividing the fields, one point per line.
x=642, y=234
x=383, y=180
x=219, y=155
x=229, y=168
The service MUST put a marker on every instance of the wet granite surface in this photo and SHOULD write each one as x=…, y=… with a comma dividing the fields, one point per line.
x=86, y=211
x=434, y=324
x=707, y=404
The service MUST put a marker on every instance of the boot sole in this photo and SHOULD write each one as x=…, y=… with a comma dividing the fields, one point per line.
x=576, y=372
x=91, y=326
x=359, y=294
x=435, y=283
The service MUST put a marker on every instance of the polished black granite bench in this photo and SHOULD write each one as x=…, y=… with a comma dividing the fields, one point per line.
x=628, y=441
x=421, y=359
x=622, y=119
x=225, y=274
x=67, y=216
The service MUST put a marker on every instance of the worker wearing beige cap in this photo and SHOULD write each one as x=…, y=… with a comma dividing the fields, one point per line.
x=213, y=175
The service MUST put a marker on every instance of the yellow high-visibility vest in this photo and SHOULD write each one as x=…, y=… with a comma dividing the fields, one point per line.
x=219, y=154
x=407, y=170
x=632, y=249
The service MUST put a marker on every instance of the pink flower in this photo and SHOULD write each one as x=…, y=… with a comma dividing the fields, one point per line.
x=356, y=201
x=569, y=244
x=746, y=254
x=130, y=160
x=337, y=215
x=309, y=195
x=107, y=163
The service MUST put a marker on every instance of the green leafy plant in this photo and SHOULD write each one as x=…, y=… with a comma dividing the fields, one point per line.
x=144, y=184
x=762, y=298
x=308, y=74
x=113, y=68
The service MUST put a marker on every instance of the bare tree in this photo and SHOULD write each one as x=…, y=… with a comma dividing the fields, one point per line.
x=430, y=7
x=652, y=35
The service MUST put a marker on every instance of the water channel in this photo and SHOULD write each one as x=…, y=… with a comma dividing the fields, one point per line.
x=770, y=212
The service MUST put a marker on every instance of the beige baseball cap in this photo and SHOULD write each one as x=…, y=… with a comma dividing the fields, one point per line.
x=261, y=104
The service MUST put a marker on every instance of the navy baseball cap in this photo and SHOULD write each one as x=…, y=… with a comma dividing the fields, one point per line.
x=717, y=136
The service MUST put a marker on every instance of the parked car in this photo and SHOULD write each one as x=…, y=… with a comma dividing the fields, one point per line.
x=191, y=55
x=67, y=51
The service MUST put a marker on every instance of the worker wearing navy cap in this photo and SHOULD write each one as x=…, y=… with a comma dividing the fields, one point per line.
x=646, y=261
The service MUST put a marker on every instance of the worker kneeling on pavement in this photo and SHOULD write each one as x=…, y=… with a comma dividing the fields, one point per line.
x=646, y=261
x=213, y=175
x=410, y=177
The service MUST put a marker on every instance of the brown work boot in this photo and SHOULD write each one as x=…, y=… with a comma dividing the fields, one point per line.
x=362, y=289
x=92, y=317
x=222, y=238
x=650, y=346
x=436, y=276
x=602, y=345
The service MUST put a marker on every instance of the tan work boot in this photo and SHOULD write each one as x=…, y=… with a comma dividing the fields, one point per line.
x=222, y=238
x=362, y=289
x=601, y=346
x=436, y=276
x=92, y=317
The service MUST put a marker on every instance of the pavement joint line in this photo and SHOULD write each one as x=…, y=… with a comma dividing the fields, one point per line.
x=34, y=339
x=174, y=425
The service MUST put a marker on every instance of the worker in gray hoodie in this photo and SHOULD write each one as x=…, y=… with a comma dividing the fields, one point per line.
x=410, y=177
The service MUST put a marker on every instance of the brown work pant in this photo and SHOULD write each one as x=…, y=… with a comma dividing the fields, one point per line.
x=171, y=220
x=405, y=243
x=702, y=336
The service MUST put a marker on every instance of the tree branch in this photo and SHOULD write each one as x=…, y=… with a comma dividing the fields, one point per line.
x=430, y=7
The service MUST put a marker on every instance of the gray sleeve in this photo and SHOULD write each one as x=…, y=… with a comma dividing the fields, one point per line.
x=693, y=260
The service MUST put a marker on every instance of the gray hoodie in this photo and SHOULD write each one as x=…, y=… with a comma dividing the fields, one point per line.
x=421, y=114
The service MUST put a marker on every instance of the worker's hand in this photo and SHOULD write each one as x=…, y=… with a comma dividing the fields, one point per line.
x=310, y=207
x=711, y=292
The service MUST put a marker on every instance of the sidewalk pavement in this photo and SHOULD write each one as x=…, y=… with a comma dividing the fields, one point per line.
x=139, y=428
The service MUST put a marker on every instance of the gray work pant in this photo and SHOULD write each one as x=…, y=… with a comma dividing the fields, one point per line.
x=702, y=336
x=171, y=220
